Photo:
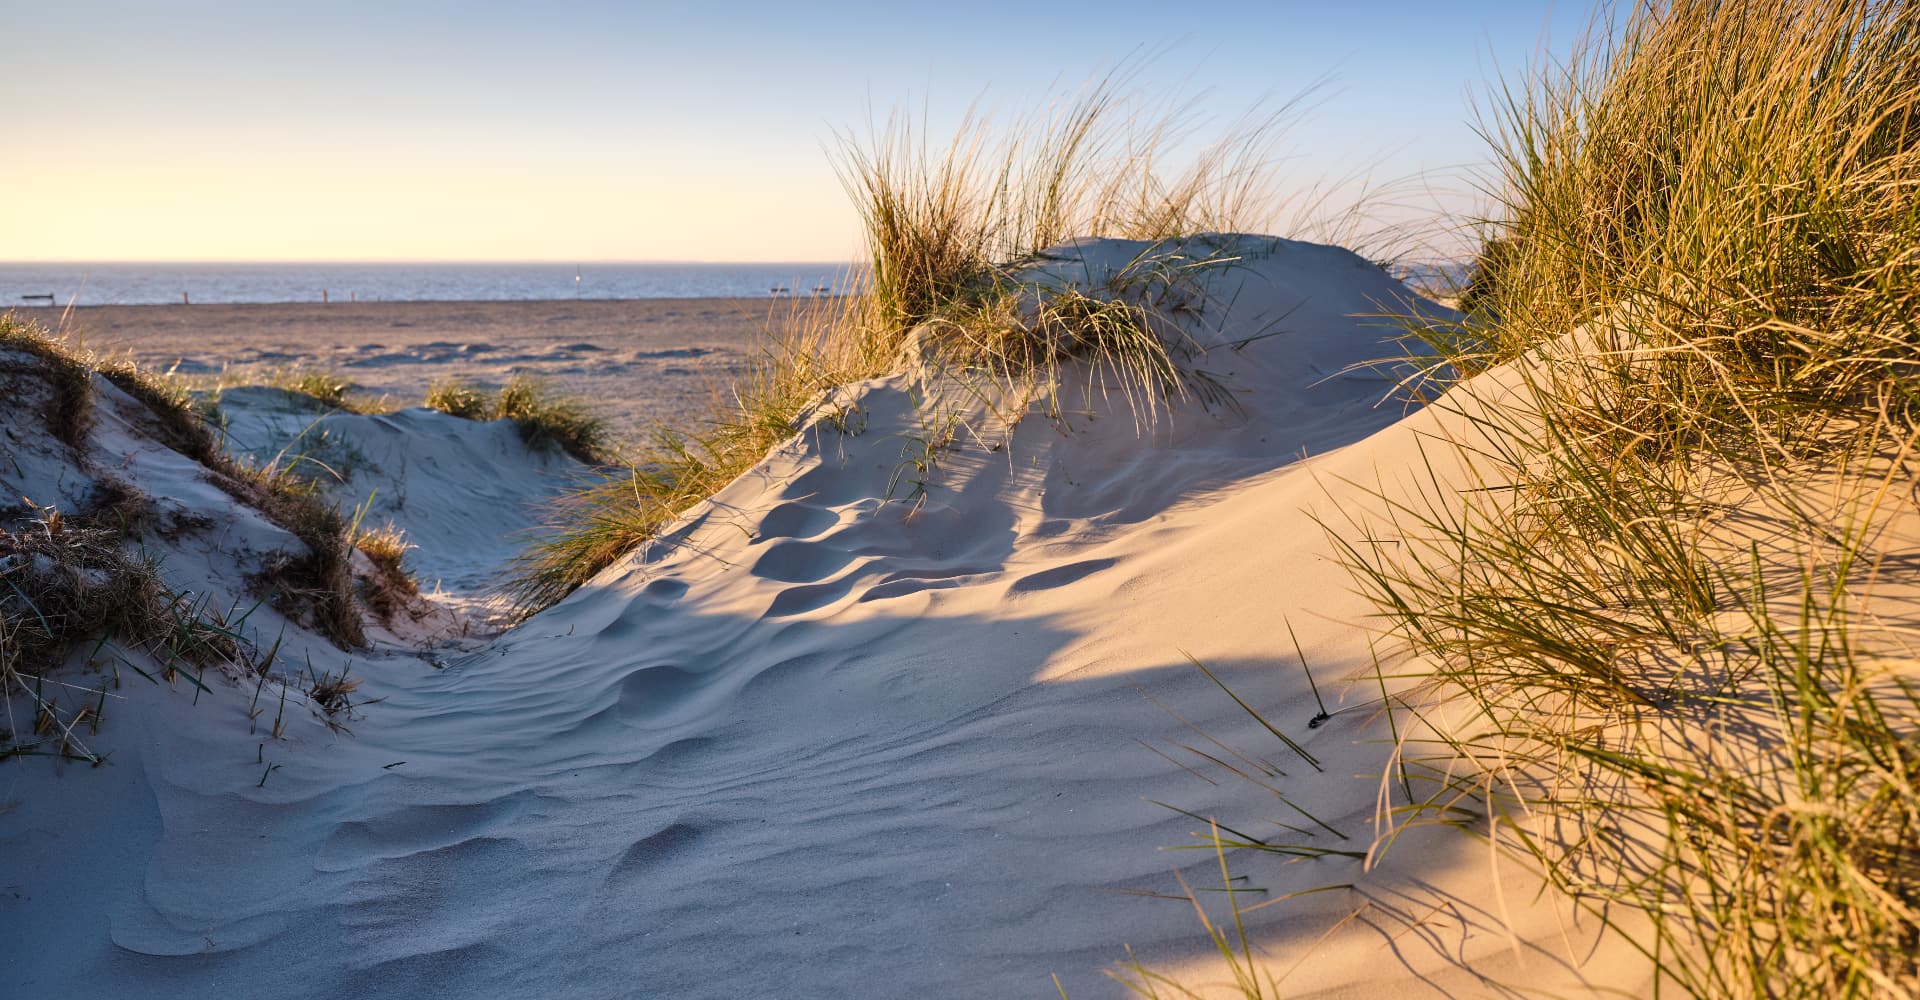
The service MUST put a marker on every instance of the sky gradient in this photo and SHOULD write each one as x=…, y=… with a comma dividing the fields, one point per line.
x=599, y=131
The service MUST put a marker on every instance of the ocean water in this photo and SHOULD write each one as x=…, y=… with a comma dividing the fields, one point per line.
x=209, y=283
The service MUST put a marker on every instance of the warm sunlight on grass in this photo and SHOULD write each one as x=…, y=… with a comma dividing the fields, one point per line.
x=1676, y=594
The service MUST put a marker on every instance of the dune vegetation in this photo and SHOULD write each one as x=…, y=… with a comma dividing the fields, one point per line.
x=546, y=420
x=1675, y=596
x=952, y=234
x=316, y=585
x=1679, y=596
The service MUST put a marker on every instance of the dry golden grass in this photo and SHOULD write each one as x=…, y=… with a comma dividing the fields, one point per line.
x=544, y=418
x=1665, y=589
x=316, y=584
x=811, y=348
x=391, y=588
x=949, y=231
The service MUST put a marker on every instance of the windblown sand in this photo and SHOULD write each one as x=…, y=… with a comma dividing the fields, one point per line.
x=906, y=710
x=641, y=361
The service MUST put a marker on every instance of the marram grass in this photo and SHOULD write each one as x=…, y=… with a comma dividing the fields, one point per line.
x=546, y=420
x=315, y=584
x=1671, y=587
x=812, y=349
x=948, y=231
x=1666, y=590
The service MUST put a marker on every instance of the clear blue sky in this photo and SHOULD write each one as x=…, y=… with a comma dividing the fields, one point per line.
x=473, y=130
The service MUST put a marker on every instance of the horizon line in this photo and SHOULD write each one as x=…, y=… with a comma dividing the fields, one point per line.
x=580, y=262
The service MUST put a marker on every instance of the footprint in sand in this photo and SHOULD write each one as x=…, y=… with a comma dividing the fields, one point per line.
x=665, y=590
x=790, y=561
x=1059, y=576
x=794, y=520
x=653, y=850
x=800, y=600
x=914, y=581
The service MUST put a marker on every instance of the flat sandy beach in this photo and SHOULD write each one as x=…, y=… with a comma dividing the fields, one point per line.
x=639, y=360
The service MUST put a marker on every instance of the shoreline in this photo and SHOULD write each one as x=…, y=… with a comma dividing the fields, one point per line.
x=49, y=315
x=40, y=307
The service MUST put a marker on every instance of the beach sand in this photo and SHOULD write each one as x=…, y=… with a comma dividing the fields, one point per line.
x=893, y=713
x=639, y=360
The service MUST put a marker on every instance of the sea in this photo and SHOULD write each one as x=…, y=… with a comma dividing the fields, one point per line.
x=128, y=283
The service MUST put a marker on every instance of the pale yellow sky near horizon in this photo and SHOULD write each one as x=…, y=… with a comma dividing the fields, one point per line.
x=583, y=130
x=420, y=206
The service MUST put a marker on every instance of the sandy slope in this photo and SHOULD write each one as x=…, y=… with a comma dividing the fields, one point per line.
x=830, y=738
x=467, y=493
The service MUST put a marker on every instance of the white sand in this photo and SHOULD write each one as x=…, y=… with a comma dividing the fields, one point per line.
x=820, y=742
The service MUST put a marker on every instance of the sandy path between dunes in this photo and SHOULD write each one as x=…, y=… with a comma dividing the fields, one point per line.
x=868, y=722
x=641, y=360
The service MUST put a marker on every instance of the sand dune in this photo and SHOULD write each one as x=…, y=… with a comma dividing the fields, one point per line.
x=889, y=715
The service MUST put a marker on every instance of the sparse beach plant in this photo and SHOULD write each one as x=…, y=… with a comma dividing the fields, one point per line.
x=461, y=398
x=547, y=419
x=390, y=588
x=951, y=234
x=318, y=579
x=71, y=579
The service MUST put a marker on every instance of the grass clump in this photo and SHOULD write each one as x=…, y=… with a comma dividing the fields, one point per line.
x=70, y=580
x=940, y=221
x=329, y=389
x=461, y=398
x=317, y=388
x=545, y=419
x=941, y=225
x=956, y=274
x=1670, y=585
x=814, y=347
x=316, y=584
x=69, y=413
x=1022, y=330
x=391, y=588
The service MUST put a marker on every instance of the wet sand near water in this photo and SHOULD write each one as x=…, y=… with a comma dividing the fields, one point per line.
x=640, y=361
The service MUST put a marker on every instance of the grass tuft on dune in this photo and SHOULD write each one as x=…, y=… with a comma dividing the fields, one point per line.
x=811, y=350
x=951, y=235
x=546, y=420
x=317, y=583
x=1674, y=589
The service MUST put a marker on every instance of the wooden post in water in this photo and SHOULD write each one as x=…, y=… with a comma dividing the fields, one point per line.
x=184, y=300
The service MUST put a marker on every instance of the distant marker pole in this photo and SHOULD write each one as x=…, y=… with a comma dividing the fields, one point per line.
x=184, y=300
